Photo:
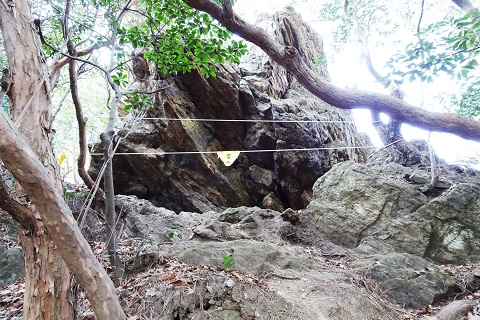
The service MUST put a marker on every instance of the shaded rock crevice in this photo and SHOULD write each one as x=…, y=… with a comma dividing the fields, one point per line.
x=256, y=89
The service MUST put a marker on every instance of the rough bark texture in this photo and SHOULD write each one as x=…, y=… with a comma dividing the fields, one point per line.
x=289, y=57
x=48, y=281
x=58, y=223
x=258, y=89
x=46, y=272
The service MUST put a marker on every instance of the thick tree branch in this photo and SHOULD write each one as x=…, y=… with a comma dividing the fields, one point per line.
x=465, y=5
x=342, y=98
x=20, y=212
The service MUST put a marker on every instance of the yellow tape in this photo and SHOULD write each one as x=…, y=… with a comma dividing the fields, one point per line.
x=62, y=158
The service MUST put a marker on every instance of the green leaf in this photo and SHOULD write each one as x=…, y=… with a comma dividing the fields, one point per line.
x=227, y=261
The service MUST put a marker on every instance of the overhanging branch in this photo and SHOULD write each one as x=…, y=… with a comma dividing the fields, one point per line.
x=288, y=57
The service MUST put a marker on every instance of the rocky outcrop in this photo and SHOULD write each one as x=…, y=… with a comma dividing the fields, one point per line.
x=339, y=282
x=382, y=209
x=256, y=90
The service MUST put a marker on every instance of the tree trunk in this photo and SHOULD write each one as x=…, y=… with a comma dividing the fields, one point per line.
x=59, y=224
x=49, y=292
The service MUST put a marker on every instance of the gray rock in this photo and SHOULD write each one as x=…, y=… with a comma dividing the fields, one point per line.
x=12, y=265
x=455, y=217
x=407, y=280
x=456, y=309
x=270, y=201
x=299, y=275
x=374, y=213
x=379, y=209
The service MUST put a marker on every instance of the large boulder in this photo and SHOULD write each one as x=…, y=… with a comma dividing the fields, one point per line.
x=455, y=217
x=257, y=90
x=384, y=209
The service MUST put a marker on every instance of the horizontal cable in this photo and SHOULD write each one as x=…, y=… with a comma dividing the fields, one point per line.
x=161, y=153
x=249, y=120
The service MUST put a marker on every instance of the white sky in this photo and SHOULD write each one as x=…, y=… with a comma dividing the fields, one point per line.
x=349, y=72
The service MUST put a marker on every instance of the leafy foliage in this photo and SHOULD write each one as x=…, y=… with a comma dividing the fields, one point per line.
x=450, y=47
x=172, y=234
x=179, y=38
x=137, y=101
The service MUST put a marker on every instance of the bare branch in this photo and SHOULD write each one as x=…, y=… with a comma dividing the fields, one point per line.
x=60, y=103
x=367, y=57
x=421, y=16
x=59, y=64
x=288, y=57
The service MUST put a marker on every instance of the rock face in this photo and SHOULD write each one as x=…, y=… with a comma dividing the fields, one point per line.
x=382, y=209
x=257, y=90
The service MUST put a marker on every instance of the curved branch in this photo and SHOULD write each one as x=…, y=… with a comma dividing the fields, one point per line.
x=82, y=134
x=59, y=64
x=421, y=16
x=34, y=178
x=288, y=57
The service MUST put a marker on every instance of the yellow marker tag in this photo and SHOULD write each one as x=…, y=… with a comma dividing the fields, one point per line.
x=228, y=157
x=62, y=158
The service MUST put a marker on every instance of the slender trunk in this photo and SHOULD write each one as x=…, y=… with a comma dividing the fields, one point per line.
x=82, y=134
x=107, y=141
x=110, y=215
